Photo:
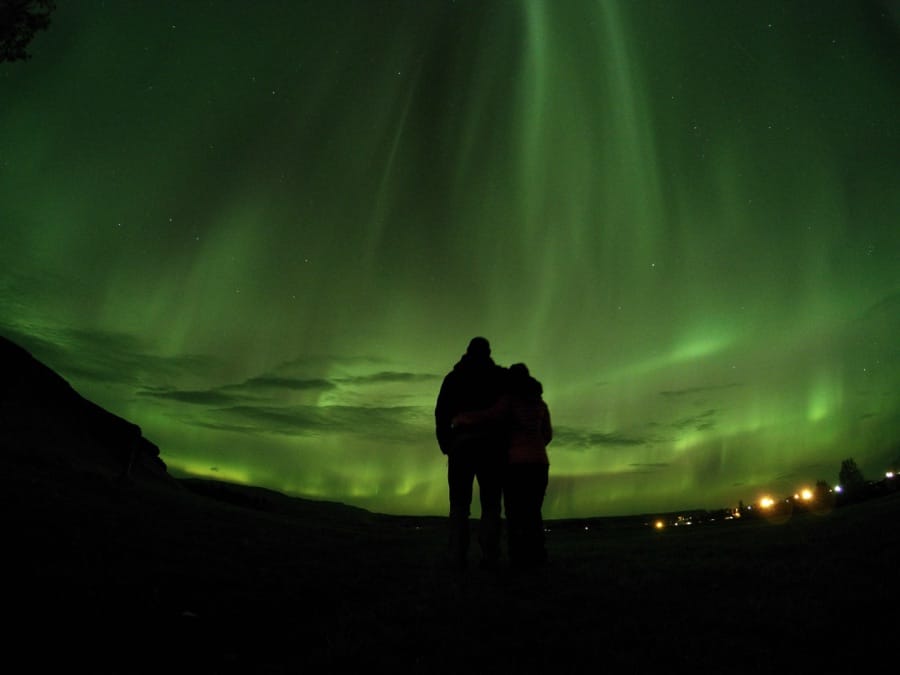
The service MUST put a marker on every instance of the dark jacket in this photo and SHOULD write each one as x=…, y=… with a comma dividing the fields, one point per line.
x=530, y=429
x=475, y=383
x=526, y=417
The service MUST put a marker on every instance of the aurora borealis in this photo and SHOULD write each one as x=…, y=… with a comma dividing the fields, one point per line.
x=265, y=231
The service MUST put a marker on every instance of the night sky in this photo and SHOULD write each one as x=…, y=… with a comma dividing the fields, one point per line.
x=265, y=231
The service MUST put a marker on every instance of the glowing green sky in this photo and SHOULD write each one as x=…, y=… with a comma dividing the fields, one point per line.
x=264, y=232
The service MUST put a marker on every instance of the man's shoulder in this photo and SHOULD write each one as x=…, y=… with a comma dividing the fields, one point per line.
x=469, y=371
x=452, y=375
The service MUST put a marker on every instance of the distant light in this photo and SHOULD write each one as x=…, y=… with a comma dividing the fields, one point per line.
x=838, y=488
x=889, y=474
x=806, y=494
x=766, y=503
x=659, y=524
x=585, y=528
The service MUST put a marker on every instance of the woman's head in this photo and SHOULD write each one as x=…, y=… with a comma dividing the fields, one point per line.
x=521, y=382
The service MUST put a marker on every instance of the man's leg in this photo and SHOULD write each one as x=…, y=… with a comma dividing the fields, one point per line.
x=460, y=474
x=513, y=505
x=490, y=488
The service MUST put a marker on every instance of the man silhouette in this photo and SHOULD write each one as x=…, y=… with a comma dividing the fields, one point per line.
x=476, y=452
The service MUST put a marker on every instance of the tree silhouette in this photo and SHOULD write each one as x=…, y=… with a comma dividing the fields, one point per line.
x=895, y=464
x=824, y=498
x=19, y=21
x=850, y=476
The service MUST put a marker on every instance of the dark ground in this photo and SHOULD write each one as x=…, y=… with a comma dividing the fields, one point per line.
x=115, y=577
x=114, y=567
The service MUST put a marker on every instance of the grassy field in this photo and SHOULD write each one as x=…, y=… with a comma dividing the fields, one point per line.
x=113, y=578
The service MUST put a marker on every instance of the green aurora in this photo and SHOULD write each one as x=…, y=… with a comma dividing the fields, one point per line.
x=265, y=231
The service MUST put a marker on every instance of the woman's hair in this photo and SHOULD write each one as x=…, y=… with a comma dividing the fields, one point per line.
x=522, y=383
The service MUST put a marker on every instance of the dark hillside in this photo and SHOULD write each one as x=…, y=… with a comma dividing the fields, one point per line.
x=44, y=420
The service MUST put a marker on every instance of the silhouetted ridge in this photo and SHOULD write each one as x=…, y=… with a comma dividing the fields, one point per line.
x=43, y=419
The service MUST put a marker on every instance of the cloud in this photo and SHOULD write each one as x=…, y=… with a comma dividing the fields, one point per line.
x=103, y=357
x=207, y=397
x=690, y=391
x=395, y=423
x=389, y=377
x=581, y=439
x=700, y=422
x=296, y=420
x=887, y=307
x=274, y=382
x=649, y=467
x=256, y=405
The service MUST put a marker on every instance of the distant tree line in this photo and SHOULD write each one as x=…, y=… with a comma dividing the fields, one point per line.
x=852, y=487
x=850, y=476
x=855, y=487
x=20, y=20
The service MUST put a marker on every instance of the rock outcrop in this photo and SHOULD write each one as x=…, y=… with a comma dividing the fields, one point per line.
x=46, y=424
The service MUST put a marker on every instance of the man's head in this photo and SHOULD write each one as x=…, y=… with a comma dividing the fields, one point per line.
x=479, y=347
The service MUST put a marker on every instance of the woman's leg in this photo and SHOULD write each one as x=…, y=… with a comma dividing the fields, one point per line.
x=512, y=505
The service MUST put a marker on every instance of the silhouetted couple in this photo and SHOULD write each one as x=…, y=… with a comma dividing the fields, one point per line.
x=494, y=427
